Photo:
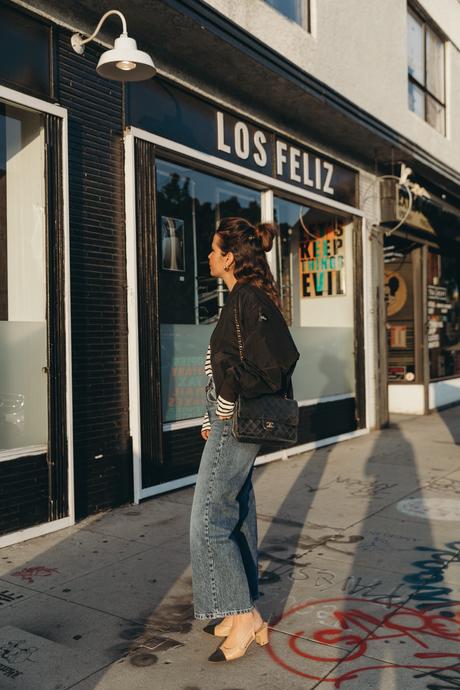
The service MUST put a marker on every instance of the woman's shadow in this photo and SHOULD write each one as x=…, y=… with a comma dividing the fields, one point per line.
x=290, y=538
x=394, y=572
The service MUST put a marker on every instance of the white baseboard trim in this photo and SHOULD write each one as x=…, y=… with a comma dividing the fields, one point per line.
x=28, y=451
x=36, y=531
x=168, y=486
x=287, y=453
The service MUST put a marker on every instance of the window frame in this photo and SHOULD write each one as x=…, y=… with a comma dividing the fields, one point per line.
x=136, y=179
x=440, y=253
x=411, y=11
x=305, y=14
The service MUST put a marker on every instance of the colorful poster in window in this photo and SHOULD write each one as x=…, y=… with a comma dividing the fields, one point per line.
x=322, y=262
x=172, y=244
x=185, y=388
x=397, y=373
x=183, y=380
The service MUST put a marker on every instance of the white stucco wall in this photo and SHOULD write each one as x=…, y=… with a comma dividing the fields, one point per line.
x=359, y=49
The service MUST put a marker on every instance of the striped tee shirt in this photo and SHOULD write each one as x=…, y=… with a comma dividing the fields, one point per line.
x=224, y=407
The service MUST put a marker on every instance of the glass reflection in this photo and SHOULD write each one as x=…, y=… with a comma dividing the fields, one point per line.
x=23, y=336
x=189, y=206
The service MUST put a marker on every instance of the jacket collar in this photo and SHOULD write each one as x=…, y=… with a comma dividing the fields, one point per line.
x=234, y=291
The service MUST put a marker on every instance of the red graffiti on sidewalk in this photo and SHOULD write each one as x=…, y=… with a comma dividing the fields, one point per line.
x=28, y=574
x=356, y=633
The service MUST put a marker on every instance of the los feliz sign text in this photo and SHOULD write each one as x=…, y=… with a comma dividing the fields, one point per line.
x=242, y=141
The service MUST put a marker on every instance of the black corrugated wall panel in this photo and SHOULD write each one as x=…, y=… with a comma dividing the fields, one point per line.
x=102, y=448
x=23, y=493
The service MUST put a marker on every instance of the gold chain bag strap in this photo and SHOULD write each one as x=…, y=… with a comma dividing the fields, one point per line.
x=271, y=418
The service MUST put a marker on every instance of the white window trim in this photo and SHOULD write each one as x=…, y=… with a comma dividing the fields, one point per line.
x=23, y=452
x=197, y=421
x=21, y=99
x=133, y=322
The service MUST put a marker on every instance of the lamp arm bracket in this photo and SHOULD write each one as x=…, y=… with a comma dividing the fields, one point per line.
x=78, y=41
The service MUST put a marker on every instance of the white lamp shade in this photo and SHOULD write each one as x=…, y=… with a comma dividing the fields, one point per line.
x=124, y=62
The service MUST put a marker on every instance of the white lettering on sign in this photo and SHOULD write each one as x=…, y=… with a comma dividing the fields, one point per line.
x=299, y=166
x=281, y=157
x=221, y=145
x=294, y=157
x=318, y=173
x=241, y=143
x=329, y=171
x=260, y=157
x=242, y=140
x=308, y=182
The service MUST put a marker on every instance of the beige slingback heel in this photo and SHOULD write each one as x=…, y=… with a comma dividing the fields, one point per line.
x=224, y=653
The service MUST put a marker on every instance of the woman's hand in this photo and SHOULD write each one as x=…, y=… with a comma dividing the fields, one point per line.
x=205, y=427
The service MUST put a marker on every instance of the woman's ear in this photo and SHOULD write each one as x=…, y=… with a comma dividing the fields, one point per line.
x=229, y=259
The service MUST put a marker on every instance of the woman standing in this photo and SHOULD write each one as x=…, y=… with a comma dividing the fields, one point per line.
x=223, y=528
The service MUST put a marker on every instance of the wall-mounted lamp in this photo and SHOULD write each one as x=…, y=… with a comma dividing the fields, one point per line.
x=124, y=62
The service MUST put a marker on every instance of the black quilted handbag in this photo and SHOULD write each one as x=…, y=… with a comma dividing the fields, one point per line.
x=266, y=419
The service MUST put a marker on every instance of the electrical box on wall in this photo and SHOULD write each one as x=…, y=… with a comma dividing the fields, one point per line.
x=394, y=207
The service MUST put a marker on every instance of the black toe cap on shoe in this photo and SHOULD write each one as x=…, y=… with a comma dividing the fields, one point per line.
x=210, y=628
x=218, y=655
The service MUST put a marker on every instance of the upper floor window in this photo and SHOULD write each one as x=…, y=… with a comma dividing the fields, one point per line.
x=296, y=10
x=426, y=67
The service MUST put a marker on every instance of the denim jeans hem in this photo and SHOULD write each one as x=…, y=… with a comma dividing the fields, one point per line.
x=211, y=563
x=221, y=614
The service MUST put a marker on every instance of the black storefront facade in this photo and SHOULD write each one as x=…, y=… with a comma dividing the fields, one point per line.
x=65, y=446
x=110, y=196
x=106, y=305
x=189, y=161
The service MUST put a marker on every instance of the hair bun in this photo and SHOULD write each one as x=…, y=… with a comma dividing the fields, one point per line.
x=266, y=232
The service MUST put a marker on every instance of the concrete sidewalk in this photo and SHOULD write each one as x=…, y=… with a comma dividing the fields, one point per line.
x=360, y=572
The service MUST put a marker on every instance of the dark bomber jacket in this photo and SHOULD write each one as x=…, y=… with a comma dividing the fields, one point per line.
x=269, y=352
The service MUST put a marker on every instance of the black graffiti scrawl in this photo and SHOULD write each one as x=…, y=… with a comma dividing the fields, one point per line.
x=14, y=653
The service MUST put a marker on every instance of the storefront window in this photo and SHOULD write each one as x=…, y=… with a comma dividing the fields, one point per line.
x=23, y=332
x=315, y=275
x=296, y=10
x=190, y=204
x=443, y=314
x=400, y=311
x=426, y=72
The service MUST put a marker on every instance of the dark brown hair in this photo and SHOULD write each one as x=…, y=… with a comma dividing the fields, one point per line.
x=248, y=244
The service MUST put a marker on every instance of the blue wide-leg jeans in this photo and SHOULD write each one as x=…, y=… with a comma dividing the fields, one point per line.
x=223, y=525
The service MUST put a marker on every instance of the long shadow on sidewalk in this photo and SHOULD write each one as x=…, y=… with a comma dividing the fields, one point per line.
x=291, y=535
x=101, y=592
x=81, y=599
x=390, y=619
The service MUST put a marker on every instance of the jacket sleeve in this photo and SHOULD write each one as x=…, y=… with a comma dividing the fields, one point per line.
x=266, y=357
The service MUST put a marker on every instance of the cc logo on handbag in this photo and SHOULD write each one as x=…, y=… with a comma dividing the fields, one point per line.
x=269, y=425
